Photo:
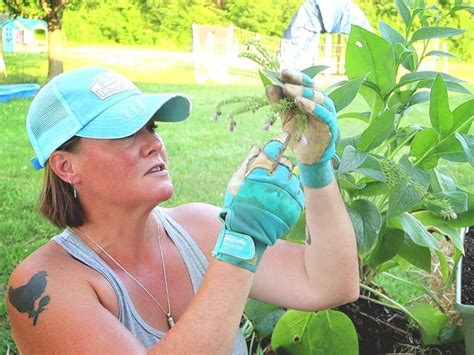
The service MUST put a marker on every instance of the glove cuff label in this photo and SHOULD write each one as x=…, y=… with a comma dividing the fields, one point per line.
x=234, y=244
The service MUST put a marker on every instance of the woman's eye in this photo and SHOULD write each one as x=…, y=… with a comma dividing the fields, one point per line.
x=152, y=127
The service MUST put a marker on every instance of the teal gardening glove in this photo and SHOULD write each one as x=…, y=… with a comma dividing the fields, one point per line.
x=262, y=203
x=315, y=151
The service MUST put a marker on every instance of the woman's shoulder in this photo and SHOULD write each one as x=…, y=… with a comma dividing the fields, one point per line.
x=200, y=220
x=49, y=261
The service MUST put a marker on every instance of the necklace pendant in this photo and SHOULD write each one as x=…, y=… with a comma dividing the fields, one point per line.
x=171, y=322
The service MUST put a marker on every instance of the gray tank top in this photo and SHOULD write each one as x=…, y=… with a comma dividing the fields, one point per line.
x=194, y=260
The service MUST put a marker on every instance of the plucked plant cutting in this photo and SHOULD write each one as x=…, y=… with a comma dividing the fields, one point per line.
x=403, y=202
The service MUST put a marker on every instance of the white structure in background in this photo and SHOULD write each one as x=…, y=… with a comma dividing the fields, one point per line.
x=214, y=49
x=3, y=69
x=21, y=34
x=300, y=45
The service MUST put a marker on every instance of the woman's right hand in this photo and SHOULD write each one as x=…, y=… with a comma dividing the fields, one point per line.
x=263, y=202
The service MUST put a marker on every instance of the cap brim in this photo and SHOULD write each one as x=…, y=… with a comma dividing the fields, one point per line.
x=131, y=114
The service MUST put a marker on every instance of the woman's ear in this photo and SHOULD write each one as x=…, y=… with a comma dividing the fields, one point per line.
x=62, y=163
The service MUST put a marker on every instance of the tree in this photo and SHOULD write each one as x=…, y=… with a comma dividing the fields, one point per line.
x=50, y=11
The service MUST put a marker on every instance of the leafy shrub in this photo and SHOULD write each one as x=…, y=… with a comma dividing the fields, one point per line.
x=400, y=201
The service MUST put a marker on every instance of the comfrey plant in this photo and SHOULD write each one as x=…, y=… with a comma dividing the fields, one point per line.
x=401, y=200
x=238, y=105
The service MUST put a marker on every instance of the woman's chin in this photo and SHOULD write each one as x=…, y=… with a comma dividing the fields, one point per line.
x=165, y=193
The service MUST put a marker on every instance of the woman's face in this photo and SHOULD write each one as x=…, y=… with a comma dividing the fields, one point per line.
x=125, y=171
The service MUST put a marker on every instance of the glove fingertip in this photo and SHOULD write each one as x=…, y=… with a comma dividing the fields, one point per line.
x=273, y=149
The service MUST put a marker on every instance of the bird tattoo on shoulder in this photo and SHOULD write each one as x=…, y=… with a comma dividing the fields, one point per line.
x=24, y=297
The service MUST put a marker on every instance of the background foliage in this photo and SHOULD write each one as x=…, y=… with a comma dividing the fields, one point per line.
x=167, y=23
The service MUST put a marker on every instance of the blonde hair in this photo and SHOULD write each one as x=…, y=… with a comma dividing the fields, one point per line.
x=57, y=202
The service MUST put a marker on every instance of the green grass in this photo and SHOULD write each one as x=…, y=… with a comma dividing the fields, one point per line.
x=202, y=154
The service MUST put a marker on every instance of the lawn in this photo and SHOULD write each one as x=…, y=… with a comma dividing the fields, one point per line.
x=203, y=155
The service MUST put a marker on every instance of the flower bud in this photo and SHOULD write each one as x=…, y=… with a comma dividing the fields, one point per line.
x=266, y=126
x=216, y=116
x=303, y=140
x=232, y=126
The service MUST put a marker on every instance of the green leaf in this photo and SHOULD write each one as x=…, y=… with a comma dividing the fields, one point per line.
x=404, y=13
x=415, y=254
x=265, y=80
x=457, y=199
x=351, y=159
x=347, y=182
x=463, y=116
x=297, y=234
x=451, y=86
x=370, y=54
x=344, y=142
x=346, y=93
x=371, y=94
x=374, y=188
x=419, y=98
x=442, y=54
x=407, y=56
x=444, y=266
x=434, y=222
x=321, y=333
x=333, y=332
x=422, y=142
x=456, y=87
x=466, y=7
x=378, y=131
x=263, y=317
x=367, y=222
x=314, y=70
x=390, y=34
x=451, y=333
x=416, y=231
x=434, y=32
x=466, y=147
x=371, y=168
x=440, y=114
x=272, y=76
x=465, y=219
x=452, y=149
x=400, y=98
x=419, y=175
x=289, y=334
x=433, y=322
x=402, y=197
x=360, y=116
x=440, y=182
x=424, y=75
x=388, y=244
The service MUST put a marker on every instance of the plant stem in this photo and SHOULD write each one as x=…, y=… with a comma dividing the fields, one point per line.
x=402, y=144
x=379, y=302
x=400, y=306
x=425, y=289
x=431, y=149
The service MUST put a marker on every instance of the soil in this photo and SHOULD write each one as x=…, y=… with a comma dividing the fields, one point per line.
x=382, y=330
x=467, y=275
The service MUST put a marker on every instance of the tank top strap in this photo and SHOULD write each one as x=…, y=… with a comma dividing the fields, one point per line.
x=128, y=314
x=193, y=257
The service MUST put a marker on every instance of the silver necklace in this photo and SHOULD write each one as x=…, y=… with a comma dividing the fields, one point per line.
x=169, y=317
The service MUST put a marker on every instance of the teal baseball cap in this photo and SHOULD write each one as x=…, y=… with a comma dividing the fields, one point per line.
x=94, y=102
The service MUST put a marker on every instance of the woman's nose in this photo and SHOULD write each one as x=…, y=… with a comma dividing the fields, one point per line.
x=152, y=143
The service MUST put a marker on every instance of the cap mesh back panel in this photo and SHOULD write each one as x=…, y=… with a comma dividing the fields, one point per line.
x=52, y=113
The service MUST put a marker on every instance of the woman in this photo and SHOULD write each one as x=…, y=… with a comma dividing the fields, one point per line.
x=126, y=276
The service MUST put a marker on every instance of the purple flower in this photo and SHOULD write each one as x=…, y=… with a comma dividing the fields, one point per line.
x=216, y=116
x=303, y=140
x=266, y=125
